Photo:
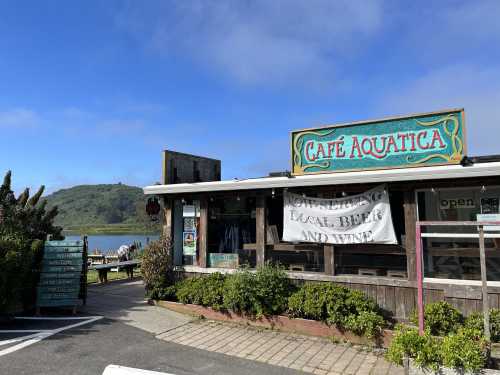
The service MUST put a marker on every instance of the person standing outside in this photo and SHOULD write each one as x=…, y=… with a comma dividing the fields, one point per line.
x=125, y=252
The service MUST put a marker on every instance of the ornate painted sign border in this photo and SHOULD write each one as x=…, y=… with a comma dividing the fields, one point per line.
x=425, y=139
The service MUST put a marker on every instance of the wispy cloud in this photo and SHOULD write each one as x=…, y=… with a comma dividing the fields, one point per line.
x=281, y=41
x=19, y=118
x=475, y=88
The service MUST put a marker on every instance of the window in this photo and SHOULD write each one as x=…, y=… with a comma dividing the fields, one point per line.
x=376, y=259
x=231, y=232
x=456, y=256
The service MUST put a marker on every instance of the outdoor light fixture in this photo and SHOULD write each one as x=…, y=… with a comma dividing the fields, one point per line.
x=238, y=198
x=483, y=189
x=273, y=193
x=433, y=191
x=183, y=201
x=344, y=194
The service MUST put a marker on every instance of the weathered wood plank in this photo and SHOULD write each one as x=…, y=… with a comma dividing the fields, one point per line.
x=260, y=230
x=329, y=256
x=410, y=212
x=202, y=235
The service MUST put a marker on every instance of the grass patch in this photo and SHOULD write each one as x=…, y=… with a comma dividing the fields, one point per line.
x=92, y=276
x=112, y=229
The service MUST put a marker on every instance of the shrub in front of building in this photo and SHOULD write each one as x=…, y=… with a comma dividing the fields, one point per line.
x=441, y=318
x=464, y=350
x=264, y=292
x=337, y=305
x=268, y=291
x=476, y=321
x=156, y=267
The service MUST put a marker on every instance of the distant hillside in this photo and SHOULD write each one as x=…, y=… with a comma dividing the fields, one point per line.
x=115, y=207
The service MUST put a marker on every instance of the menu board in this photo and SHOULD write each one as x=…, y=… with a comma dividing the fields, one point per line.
x=61, y=276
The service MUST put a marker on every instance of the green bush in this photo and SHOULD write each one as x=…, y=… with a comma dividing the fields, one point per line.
x=441, y=318
x=190, y=291
x=424, y=350
x=337, y=305
x=464, y=350
x=156, y=266
x=239, y=293
x=24, y=224
x=309, y=302
x=272, y=289
x=475, y=321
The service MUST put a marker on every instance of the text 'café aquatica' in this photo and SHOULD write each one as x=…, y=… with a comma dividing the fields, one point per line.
x=347, y=211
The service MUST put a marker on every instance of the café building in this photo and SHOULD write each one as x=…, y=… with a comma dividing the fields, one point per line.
x=347, y=211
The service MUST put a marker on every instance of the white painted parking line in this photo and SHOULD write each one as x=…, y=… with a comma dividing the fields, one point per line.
x=122, y=370
x=41, y=334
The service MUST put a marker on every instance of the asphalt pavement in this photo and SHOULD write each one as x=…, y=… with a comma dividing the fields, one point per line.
x=125, y=335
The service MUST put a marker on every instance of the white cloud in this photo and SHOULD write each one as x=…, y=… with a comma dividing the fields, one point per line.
x=19, y=118
x=260, y=41
x=475, y=88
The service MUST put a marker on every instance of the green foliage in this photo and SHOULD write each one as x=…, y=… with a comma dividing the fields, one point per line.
x=337, y=305
x=475, y=321
x=464, y=350
x=310, y=301
x=156, y=267
x=240, y=295
x=24, y=225
x=205, y=291
x=272, y=289
x=424, y=350
x=441, y=318
x=100, y=205
x=264, y=292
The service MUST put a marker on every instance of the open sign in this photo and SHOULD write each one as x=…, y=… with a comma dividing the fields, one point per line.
x=457, y=203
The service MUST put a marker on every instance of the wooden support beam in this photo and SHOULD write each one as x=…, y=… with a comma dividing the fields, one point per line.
x=202, y=235
x=260, y=230
x=410, y=211
x=168, y=226
x=167, y=217
x=329, y=257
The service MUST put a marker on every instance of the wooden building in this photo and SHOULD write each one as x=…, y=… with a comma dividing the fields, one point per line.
x=217, y=226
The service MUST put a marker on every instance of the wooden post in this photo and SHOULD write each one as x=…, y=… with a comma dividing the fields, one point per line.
x=410, y=211
x=168, y=217
x=168, y=227
x=484, y=285
x=260, y=230
x=202, y=235
x=329, y=258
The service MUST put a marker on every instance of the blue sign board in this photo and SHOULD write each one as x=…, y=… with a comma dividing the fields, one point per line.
x=420, y=140
x=61, y=276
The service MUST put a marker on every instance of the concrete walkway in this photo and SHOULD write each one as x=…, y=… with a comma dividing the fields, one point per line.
x=124, y=301
x=304, y=353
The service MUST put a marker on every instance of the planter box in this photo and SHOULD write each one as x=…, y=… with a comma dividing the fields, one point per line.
x=412, y=369
x=279, y=322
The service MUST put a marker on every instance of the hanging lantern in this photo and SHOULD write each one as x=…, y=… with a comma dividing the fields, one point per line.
x=153, y=208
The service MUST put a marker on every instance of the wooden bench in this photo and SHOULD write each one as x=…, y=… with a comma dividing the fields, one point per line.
x=102, y=269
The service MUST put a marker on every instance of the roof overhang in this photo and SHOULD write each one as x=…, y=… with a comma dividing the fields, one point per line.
x=341, y=178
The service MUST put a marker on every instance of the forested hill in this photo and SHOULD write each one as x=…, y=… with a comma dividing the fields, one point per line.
x=100, y=206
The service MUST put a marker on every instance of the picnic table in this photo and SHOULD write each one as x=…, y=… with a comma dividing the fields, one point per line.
x=102, y=269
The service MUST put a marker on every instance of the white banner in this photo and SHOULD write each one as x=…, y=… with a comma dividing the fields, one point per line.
x=362, y=218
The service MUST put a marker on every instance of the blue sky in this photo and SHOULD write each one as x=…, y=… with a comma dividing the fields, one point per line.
x=92, y=91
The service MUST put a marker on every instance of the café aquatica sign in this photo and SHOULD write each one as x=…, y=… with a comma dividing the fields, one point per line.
x=420, y=140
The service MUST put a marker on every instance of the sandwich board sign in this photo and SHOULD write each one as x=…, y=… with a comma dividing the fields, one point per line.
x=62, y=275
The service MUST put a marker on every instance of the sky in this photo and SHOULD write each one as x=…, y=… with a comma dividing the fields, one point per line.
x=93, y=91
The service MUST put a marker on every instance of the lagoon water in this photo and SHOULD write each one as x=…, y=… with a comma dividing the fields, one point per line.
x=111, y=242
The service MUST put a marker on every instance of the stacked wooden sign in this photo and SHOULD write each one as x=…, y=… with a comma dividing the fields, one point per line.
x=62, y=280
